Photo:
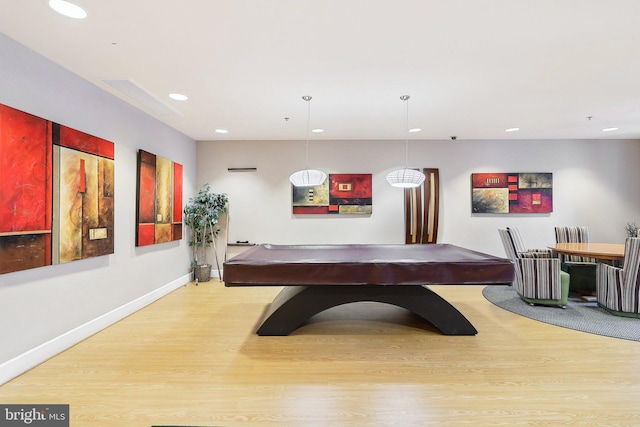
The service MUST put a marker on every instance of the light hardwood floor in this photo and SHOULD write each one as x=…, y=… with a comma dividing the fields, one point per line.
x=192, y=358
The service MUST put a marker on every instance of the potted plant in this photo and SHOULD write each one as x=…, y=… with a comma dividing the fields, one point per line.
x=201, y=216
x=631, y=229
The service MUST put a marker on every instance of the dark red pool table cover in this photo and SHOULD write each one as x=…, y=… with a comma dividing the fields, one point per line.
x=433, y=264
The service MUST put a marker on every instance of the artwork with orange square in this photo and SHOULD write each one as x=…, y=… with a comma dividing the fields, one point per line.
x=503, y=193
x=341, y=193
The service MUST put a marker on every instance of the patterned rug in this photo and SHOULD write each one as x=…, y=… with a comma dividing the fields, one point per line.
x=580, y=316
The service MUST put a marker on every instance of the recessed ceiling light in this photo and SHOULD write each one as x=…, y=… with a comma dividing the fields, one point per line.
x=512, y=130
x=609, y=129
x=68, y=9
x=178, y=96
x=317, y=130
x=221, y=131
x=414, y=130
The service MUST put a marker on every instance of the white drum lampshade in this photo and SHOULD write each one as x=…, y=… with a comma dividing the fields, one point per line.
x=308, y=178
x=405, y=178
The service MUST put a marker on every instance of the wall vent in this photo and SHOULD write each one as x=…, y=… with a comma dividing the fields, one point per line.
x=142, y=96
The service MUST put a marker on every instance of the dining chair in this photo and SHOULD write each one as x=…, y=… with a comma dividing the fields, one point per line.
x=582, y=269
x=520, y=247
x=538, y=277
x=618, y=288
x=573, y=235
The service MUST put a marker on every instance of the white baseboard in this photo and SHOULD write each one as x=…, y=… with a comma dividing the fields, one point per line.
x=32, y=358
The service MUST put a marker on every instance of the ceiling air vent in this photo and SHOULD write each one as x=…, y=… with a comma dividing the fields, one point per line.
x=143, y=97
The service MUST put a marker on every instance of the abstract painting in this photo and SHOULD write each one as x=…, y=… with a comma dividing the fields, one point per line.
x=339, y=194
x=56, y=193
x=159, y=214
x=511, y=193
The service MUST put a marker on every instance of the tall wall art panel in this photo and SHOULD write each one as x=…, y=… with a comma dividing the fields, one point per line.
x=56, y=193
x=159, y=200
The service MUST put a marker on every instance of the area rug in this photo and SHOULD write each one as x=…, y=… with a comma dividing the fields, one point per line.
x=579, y=315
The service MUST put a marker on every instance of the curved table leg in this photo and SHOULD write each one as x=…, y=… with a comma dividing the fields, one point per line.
x=295, y=304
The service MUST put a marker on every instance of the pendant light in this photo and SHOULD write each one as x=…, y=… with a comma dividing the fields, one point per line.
x=307, y=177
x=406, y=178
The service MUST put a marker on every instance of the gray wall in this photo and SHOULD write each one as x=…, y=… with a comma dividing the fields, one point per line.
x=42, y=304
x=594, y=185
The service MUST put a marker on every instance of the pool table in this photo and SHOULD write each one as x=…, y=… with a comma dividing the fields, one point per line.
x=317, y=277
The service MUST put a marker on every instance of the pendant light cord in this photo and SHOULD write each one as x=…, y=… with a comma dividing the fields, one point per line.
x=406, y=144
x=308, y=99
x=406, y=178
x=308, y=177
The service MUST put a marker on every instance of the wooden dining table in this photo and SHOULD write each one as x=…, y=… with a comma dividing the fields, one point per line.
x=600, y=251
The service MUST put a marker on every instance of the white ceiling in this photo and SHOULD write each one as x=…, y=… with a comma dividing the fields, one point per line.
x=472, y=67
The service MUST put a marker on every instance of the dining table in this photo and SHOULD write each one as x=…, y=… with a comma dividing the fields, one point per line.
x=612, y=252
x=609, y=253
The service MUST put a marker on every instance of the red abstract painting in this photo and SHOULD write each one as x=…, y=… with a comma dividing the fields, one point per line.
x=159, y=215
x=56, y=192
x=511, y=192
x=339, y=194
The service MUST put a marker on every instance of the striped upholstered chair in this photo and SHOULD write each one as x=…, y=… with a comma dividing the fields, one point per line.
x=573, y=235
x=619, y=288
x=520, y=247
x=538, y=279
x=582, y=269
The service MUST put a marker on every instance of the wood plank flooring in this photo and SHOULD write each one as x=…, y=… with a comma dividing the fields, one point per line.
x=192, y=358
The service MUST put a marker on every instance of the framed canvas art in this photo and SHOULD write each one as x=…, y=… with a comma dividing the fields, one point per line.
x=341, y=194
x=159, y=201
x=56, y=193
x=503, y=193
